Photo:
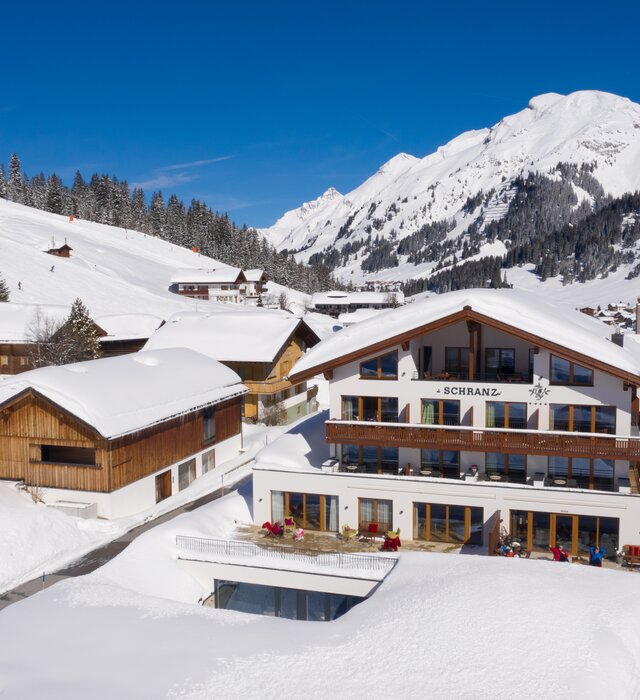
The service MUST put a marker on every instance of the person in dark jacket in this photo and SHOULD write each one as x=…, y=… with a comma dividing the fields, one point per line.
x=596, y=555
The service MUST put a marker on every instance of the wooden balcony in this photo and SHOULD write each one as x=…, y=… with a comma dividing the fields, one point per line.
x=268, y=387
x=529, y=442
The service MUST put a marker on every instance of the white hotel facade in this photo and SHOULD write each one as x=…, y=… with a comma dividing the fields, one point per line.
x=452, y=414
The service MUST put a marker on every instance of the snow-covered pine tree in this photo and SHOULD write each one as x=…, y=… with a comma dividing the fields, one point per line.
x=3, y=182
x=14, y=184
x=80, y=330
x=4, y=290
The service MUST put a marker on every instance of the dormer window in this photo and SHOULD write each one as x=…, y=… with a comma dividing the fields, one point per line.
x=382, y=367
x=569, y=373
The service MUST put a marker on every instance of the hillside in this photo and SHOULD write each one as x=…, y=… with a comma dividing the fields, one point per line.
x=112, y=269
x=486, y=192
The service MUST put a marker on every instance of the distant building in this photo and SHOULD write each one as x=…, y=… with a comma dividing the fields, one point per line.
x=226, y=284
x=60, y=250
x=124, y=333
x=122, y=433
x=260, y=345
x=336, y=302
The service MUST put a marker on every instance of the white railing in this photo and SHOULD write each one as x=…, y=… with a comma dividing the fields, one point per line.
x=235, y=549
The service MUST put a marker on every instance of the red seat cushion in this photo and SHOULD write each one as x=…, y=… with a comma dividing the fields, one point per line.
x=373, y=527
x=634, y=550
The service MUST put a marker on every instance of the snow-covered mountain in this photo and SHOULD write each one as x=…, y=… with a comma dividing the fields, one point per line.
x=471, y=179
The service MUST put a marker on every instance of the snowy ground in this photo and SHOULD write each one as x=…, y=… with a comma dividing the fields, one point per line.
x=37, y=539
x=441, y=625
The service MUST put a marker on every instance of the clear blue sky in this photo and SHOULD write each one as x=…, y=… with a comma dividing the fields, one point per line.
x=276, y=101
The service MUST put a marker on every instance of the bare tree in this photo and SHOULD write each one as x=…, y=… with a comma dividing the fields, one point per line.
x=283, y=301
x=50, y=346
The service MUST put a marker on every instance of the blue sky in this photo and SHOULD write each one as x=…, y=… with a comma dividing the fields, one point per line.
x=256, y=107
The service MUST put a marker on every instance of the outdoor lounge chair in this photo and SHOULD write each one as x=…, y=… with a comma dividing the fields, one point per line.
x=348, y=533
x=391, y=544
x=273, y=529
x=631, y=555
x=289, y=525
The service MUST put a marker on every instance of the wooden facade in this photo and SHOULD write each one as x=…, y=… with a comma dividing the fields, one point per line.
x=15, y=357
x=32, y=428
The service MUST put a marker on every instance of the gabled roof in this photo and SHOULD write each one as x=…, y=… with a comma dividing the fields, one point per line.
x=219, y=275
x=571, y=333
x=256, y=335
x=256, y=275
x=125, y=394
x=18, y=321
x=340, y=298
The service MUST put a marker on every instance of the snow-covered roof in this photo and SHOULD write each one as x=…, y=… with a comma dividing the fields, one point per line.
x=128, y=326
x=18, y=321
x=254, y=275
x=345, y=298
x=256, y=335
x=124, y=394
x=351, y=317
x=520, y=310
x=53, y=244
x=194, y=276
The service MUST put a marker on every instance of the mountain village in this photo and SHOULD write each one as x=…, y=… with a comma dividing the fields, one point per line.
x=193, y=446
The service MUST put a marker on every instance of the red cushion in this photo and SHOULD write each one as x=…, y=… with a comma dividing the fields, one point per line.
x=634, y=550
x=289, y=521
x=373, y=527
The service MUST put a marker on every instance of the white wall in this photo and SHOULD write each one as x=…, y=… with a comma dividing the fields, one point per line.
x=404, y=491
x=141, y=494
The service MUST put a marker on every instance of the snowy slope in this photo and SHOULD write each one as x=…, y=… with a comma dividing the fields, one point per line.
x=407, y=192
x=440, y=625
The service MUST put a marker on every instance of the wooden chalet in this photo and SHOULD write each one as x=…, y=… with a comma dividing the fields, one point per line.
x=118, y=427
x=60, y=250
x=260, y=345
x=226, y=284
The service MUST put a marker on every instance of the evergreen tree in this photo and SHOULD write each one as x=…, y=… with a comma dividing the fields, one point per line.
x=81, y=331
x=14, y=184
x=3, y=182
x=4, y=290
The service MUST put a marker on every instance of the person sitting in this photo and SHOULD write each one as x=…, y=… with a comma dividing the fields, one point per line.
x=391, y=544
x=596, y=555
x=275, y=529
x=559, y=553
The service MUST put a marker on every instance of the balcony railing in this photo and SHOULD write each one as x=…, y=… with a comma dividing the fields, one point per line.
x=470, y=439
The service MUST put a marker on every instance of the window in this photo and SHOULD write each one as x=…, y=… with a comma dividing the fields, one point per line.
x=456, y=361
x=499, y=362
x=308, y=510
x=73, y=456
x=427, y=354
x=379, y=409
x=4, y=360
x=373, y=510
x=186, y=474
x=587, y=473
x=24, y=361
x=582, y=419
x=565, y=372
x=374, y=460
x=209, y=424
x=383, y=367
x=448, y=523
x=440, y=462
x=440, y=412
x=503, y=414
x=506, y=466
x=208, y=461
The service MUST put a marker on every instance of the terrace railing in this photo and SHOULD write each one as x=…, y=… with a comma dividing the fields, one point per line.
x=236, y=549
x=471, y=439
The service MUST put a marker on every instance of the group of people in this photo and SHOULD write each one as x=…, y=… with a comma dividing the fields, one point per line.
x=596, y=554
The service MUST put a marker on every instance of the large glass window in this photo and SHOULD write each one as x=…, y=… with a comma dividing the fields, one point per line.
x=448, y=523
x=370, y=408
x=308, y=510
x=440, y=412
x=444, y=463
x=349, y=408
x=499, y=362
x=582, y=419
x=456, y=362
x=569, y=373
x=503, y=414
x=587, y=473
x=375, y=460
x=508, y=467
x=373, y=510
x=383, y=367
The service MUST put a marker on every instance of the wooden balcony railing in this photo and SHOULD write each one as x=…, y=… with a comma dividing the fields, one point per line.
x=530, y=442
x=268, y=387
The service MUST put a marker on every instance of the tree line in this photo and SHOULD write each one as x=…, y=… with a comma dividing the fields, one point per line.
x=105, y=199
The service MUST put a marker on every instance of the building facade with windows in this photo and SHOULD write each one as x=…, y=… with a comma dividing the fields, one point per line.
x=122, y=433
x=472, y=408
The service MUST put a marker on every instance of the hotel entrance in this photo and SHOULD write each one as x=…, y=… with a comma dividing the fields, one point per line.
x=576, y=533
